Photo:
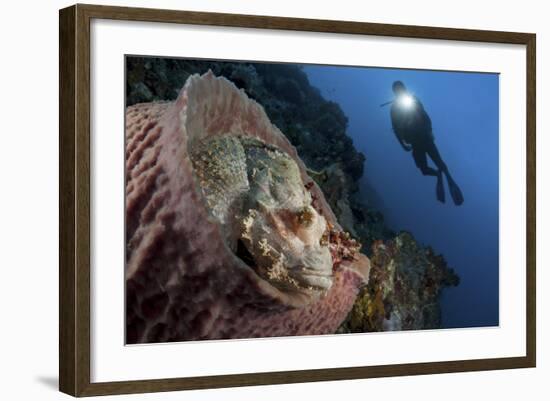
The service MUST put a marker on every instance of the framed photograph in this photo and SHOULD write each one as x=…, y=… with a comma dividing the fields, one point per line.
x=250, y=200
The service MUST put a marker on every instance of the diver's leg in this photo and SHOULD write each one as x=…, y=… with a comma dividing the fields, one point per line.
x=419, y=155
x=454, y=189
x=433, y=152
x=421, y=162
x=439, y=189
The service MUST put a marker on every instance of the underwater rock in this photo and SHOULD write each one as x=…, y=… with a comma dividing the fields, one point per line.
x=403, y=290
x=227, y=236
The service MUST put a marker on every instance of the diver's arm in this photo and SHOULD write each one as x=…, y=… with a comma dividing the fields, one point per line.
x=405, y=146
x=395, y=124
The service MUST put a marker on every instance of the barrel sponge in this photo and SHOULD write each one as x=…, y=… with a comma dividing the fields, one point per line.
x=184, y=280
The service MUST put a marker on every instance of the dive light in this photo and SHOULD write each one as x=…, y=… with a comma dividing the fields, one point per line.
x=404, y=100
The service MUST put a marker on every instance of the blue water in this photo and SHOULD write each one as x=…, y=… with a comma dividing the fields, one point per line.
x=464, y=112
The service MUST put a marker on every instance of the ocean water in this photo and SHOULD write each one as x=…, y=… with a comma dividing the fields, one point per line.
x=464, y=109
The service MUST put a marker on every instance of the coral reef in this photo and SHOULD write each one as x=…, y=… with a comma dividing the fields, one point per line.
x=317, y=129
x=404, y=285
x=227, y=236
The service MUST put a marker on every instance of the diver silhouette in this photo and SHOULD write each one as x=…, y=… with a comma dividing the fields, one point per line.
x=413, y=129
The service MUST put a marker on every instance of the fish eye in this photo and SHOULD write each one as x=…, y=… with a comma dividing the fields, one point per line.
x=305, y=216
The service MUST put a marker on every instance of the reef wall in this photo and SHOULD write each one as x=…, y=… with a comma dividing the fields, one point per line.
x=406, y=278
x=403, y=292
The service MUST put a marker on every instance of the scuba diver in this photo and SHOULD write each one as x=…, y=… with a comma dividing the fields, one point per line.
x=413, y=129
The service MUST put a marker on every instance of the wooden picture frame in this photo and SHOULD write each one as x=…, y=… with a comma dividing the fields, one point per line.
x=75, y=200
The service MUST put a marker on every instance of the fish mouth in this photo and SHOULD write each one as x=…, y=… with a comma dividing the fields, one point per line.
x=311, y=278
x=295, y=279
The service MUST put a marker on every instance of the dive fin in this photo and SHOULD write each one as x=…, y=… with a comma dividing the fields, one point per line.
x=439, y=189
x=455, y=191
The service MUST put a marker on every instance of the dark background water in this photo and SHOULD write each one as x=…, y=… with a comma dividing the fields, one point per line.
x=464, y=110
